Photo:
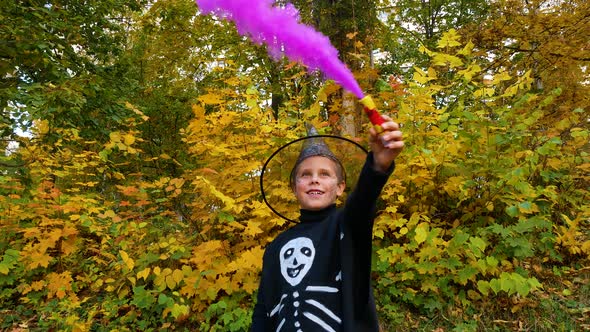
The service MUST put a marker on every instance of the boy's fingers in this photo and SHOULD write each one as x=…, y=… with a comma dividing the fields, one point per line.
x=386, y=117
x=390, y=125
x=392, y=135
x=395, y=145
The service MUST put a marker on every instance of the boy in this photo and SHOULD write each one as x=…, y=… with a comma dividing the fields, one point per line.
x=316, y=275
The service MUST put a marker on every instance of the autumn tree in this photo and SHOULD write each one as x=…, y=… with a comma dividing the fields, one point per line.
x=411, y=24
x=547, y=38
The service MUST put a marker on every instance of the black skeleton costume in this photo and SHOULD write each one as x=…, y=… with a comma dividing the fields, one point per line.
x=316, y=275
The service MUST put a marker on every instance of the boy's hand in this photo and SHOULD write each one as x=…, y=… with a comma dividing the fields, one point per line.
x=387, y=146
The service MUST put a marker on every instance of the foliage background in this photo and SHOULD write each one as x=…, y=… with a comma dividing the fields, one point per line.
x=132, y=133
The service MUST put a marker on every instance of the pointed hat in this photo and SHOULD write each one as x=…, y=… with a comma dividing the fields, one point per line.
x=314, y=146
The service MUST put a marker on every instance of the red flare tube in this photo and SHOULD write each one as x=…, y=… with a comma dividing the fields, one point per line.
x=371, y=111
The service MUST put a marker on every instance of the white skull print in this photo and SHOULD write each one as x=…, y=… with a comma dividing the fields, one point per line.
x=296, y=258
x=304, y=305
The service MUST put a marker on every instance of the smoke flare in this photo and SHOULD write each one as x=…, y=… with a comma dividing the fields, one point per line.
x=281, y=31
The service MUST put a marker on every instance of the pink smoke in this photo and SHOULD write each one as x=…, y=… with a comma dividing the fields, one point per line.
x=280, y=29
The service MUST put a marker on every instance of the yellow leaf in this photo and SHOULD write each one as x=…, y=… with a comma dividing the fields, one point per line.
x=432, y=73
x=378, y=233
x=129, y=139
x=170, y=282
x=449, y=39
x=177, y=275
x=210, y=99
x=42, y=126
x=233, y=80
x=313, y=112
x=490, y=206
x=115, y=137
x=466, y=51
x=253, y=228
x=423, y=49
x=502, y=76
x=351, y=35
x=130, y=263
x=249, y=259
x=484, y=92
x=49, y=240
x=421, y=232
x=510, y=91
x=470, y=71
x=177, y=182
x=136, y=111
x=144, y=273
x=250, y=285
x=403, y=230
x=67, y=231
x=421, y=76
x=447, y=60
x=228, y=201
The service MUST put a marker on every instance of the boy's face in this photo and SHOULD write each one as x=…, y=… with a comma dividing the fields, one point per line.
x=317, y=184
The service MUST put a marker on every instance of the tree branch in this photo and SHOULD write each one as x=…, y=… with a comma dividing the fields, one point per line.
x=518, y=49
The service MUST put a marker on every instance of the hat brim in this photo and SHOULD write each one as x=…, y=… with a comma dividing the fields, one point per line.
x=275, y=175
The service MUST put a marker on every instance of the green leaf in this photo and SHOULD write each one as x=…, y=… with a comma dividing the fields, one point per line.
x=499, y=230
x=507, y=283
x=460, y=238
x=142, y=298
x=512, y=211
x=104, y=154
x=492, y=261
x=483, y=286
x=9, y=260
x=466, y=274
x=495, y=285
x=477, y=244
x=165, y=300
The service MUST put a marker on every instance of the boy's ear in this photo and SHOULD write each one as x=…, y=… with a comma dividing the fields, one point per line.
x=341, y=187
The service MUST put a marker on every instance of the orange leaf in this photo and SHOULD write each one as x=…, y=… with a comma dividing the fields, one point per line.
x=68, y=245
x=209, y=170
x=59, y=284
x=39, y=259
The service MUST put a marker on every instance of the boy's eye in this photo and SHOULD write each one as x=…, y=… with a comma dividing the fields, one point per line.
x=325, y=173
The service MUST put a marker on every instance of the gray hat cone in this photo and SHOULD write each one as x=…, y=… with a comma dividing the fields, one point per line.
x=312, y=147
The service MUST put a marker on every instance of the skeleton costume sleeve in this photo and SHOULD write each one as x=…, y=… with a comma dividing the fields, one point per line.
x=316, y=275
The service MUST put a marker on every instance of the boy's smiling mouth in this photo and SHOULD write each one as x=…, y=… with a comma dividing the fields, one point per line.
x=315, y=192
